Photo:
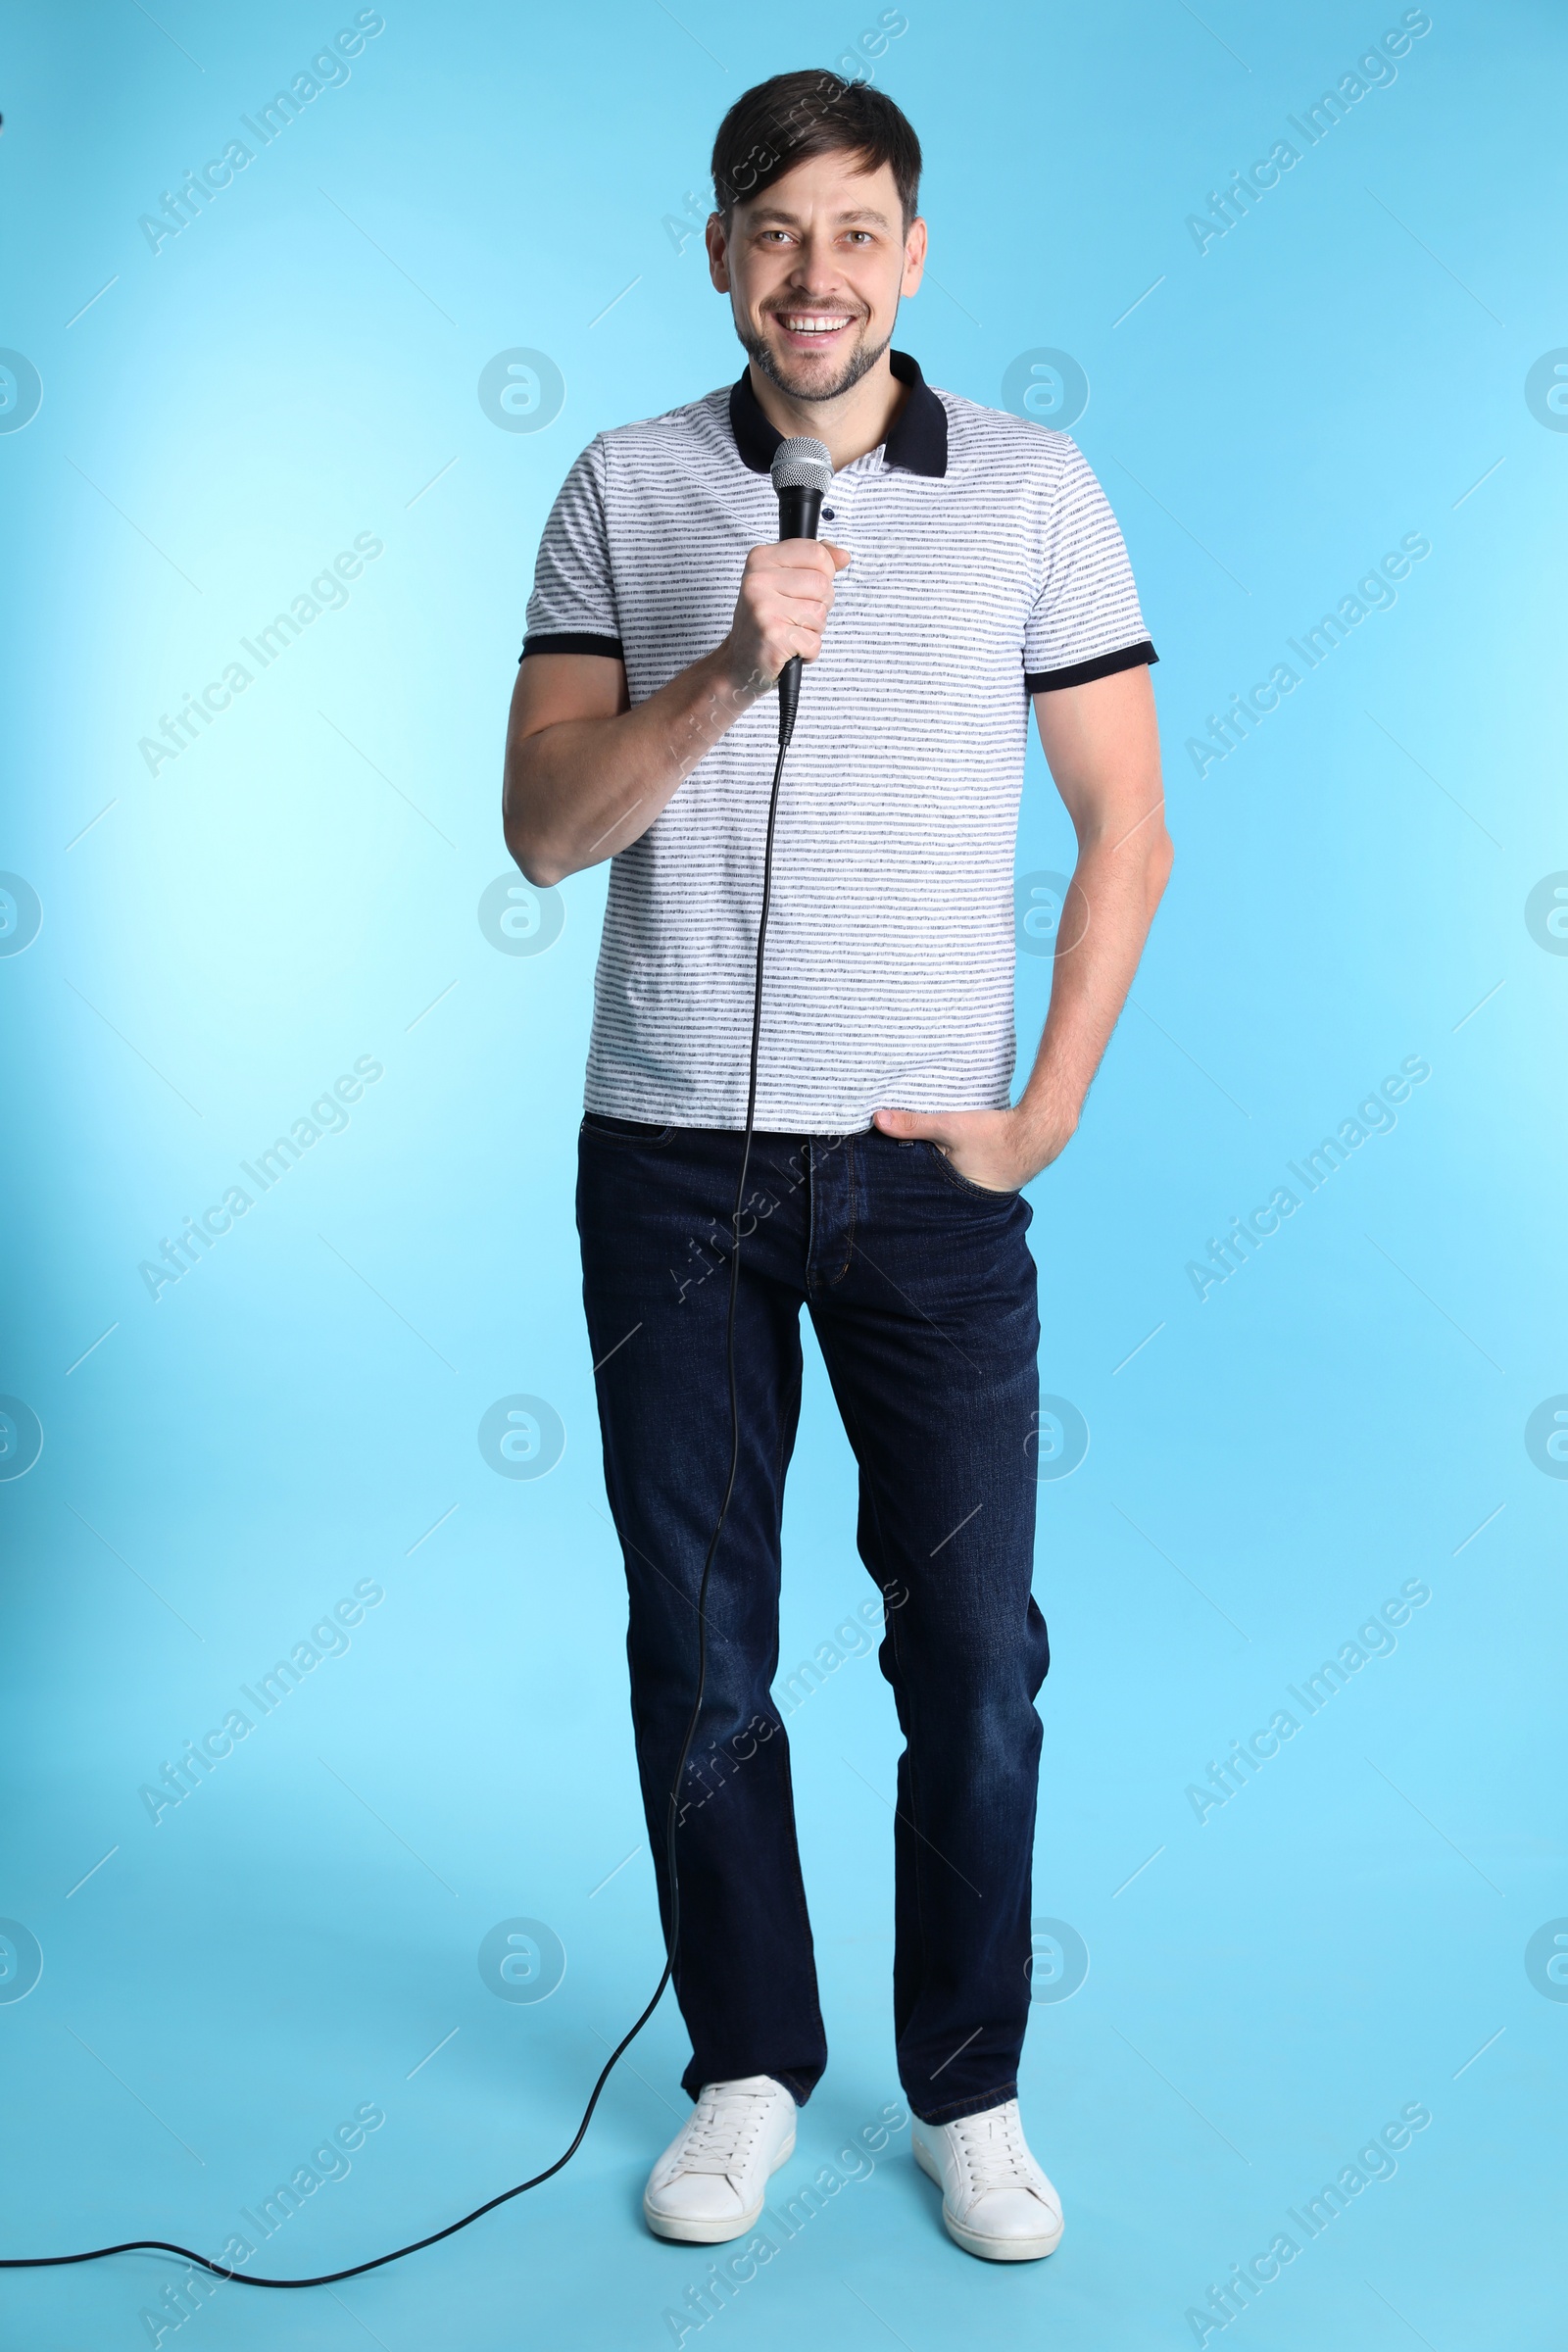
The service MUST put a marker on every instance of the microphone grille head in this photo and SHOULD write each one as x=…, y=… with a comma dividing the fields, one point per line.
x=802, y=465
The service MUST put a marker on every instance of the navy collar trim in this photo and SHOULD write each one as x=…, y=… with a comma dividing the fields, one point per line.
x=917, y=443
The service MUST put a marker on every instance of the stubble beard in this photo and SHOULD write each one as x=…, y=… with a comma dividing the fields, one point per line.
x=860, y=363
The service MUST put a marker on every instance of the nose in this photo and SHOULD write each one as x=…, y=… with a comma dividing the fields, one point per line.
x=814, y=271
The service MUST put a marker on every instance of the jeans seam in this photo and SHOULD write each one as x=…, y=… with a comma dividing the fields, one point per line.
x=812, y=1204
x=792, y=2084
x=893, y=1635
x=789, y=1422
x=851, y=1178
x=817, y=1282
x=798, y=1892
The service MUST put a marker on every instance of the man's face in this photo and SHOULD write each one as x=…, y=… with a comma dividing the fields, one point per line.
x=813, y=269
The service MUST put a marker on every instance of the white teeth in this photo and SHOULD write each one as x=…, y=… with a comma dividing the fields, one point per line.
x=815, y=325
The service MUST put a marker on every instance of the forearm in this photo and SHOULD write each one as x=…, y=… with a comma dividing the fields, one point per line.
x=586, y=776
x=1110, y=904
x=576, y=792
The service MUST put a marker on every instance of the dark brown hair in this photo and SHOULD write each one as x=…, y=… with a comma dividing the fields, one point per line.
x=779, y=124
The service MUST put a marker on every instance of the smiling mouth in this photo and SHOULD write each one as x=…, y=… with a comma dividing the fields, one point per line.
x=812, y=326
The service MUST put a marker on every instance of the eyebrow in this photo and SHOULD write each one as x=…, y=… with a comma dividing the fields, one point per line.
x=773, y=216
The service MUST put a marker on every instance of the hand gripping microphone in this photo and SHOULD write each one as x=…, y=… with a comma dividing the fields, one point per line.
x=802, y=471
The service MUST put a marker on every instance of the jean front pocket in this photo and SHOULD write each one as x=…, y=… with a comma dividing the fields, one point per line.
x=623, y=1133
x=984, y=1193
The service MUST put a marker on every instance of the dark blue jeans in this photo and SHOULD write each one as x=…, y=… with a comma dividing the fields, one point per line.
x=921, y=1289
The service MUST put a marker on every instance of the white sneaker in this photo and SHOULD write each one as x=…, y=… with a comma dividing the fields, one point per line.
x=710, y=2182
x=995, y=2200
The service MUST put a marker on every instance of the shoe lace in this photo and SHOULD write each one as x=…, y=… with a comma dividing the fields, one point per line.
x=719, y=2135
x=995, y=2152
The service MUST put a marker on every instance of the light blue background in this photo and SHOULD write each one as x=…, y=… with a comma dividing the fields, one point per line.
x=300, y=888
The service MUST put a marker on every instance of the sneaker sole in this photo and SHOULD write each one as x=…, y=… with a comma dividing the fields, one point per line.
x=698, y=2232
x=973, y=2241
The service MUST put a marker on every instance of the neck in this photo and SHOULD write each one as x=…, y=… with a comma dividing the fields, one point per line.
x=858, y=421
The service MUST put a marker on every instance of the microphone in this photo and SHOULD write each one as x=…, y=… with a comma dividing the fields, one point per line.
x=802, y=471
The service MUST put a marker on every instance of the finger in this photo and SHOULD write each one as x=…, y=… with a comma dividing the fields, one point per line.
x=791, y=618
x=794, y=629
x=808, y=553
x=817, y=585
x=908, y=1125
x=800, y=555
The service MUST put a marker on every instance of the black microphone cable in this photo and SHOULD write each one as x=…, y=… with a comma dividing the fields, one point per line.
x=801, y=473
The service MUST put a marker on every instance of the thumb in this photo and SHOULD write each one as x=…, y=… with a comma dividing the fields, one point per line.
x=910, y=1125
x=840, y=554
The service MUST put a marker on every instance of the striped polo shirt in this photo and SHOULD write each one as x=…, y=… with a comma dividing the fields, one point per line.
x=985, y=566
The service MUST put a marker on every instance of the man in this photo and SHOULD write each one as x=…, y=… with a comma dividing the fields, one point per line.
x=972, y=566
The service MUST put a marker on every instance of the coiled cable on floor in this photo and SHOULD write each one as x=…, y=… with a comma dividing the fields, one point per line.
x=357, y=2270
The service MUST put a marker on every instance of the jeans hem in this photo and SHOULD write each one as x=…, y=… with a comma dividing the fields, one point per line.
x=799, y=2086
x=975, y=2104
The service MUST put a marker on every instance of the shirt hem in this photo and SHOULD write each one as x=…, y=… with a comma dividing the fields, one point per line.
x=773, y=1118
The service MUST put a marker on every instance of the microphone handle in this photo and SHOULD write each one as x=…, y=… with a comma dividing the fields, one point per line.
x=798, y=512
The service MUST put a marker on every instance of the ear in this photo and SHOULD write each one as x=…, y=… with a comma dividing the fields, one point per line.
x=913, y=257
x=718, y=242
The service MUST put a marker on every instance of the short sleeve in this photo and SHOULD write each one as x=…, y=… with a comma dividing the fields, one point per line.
x=572, y=608
x=1085, y=622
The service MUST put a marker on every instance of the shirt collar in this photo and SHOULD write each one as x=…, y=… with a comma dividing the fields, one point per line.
x=917, y=443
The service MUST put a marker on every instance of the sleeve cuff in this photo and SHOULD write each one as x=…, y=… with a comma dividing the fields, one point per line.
x=1082, y=674
x=571, y=641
